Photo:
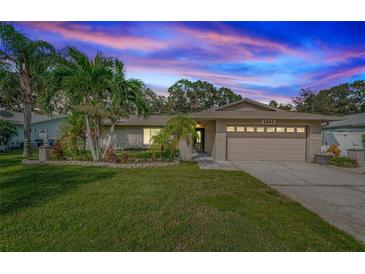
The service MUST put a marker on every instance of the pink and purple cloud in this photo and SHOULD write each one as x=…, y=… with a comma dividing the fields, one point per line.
x=260, y=60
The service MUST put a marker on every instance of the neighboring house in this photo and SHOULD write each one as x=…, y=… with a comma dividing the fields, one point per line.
x=44, y=128
x=345, y=133
x=243, y=130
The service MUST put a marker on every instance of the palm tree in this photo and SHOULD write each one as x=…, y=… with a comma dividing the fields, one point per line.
x=10, y=92
x=177, y=128
x=84, y=82
x=128, y=98
x=181, y=127
x=27, y=64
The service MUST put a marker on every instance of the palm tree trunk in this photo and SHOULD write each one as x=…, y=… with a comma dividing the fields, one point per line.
x=27, y=149
x=90, y=138
x=97, y=139
x=110, y=136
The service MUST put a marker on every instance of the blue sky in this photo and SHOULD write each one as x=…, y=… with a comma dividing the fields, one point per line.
x=260, y=60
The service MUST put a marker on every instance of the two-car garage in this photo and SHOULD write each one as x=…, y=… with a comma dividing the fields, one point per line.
x=270, y=143
x=248, y=130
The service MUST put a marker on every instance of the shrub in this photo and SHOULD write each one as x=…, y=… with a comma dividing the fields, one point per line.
x=73, y=135
x=343, y=162
x=111, y=156
x=57, y=150
x=143, y=154
x=363, y=140
x=123, y=157
x=7, y=131
x=84, y=155
x=334, y=150
x=163, y=144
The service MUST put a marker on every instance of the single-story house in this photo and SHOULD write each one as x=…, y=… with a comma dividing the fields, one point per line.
x=345, y=133
x=44, y=128
x=243, y=130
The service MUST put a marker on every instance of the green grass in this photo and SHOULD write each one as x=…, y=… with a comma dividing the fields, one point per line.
x=179, y=208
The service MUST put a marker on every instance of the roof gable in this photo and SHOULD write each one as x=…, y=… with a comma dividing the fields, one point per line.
x=246, y=104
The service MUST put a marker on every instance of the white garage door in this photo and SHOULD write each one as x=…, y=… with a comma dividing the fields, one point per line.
x=269, y=149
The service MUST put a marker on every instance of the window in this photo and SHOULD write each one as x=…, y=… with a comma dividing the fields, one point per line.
x=240, y=129
x=290, y=129
x=148, y=133
x=260, y=129
x=270, y=129
x=230, y=129
x=300, y=129
x=280, y=129
x=250, y=129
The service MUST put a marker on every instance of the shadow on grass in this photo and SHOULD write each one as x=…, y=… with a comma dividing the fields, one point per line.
x=24, y=186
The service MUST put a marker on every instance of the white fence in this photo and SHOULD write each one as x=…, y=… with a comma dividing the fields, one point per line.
x=346, y=141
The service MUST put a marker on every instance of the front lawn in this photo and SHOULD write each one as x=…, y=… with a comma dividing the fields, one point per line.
x=179, y=208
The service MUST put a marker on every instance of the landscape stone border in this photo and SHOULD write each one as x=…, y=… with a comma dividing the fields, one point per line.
x=102, y=164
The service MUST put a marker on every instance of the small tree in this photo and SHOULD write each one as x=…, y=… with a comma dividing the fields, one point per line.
x=363, y=140
x=7, y=132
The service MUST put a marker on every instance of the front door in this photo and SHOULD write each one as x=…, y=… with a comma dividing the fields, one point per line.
x=199, y=140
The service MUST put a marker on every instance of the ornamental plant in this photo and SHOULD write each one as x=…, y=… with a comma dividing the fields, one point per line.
x=58, y=151
x=334, y=150
x=110, y=155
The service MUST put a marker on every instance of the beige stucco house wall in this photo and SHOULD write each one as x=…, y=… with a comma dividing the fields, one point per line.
x=223, y=145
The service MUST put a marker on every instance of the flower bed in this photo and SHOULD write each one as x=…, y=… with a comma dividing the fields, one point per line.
x=103, y=164
x=115, y=157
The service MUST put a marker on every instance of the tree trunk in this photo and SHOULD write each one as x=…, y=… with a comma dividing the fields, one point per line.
x=90, y=138
x=97, y=139
x=110, y=136
x=28, y=105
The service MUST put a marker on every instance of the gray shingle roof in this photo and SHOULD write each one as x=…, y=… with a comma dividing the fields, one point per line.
x=246, y=100
x=151, y=120
x=18, y=117
x=250, y=114
x=355, y=120
x=160, y=120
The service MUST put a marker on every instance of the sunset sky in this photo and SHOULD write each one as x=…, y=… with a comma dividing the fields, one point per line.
x=260, y=60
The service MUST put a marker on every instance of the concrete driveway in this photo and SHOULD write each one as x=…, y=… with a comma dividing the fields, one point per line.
x=338, y=196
